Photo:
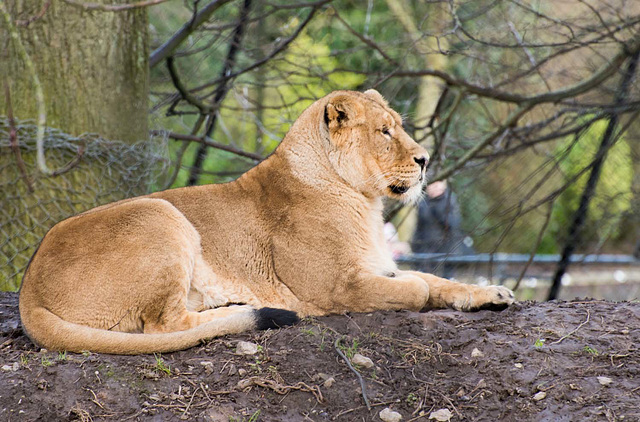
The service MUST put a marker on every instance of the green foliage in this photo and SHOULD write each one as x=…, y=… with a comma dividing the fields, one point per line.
x=160, y=365
x=349, y=351
x=591, y=350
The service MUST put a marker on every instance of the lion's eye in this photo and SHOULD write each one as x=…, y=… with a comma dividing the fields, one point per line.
x=386, y=132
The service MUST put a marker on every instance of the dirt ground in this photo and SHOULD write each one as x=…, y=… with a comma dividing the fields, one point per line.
x=558, y=361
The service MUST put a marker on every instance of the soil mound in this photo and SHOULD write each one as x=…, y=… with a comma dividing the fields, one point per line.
x=554, y=361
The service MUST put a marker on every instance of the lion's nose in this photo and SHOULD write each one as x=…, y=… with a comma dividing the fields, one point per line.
x=421, y=160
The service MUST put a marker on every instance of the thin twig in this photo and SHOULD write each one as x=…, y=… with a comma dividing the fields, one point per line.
x=573, y=331
x=208, y=142
x=363, y=386
x=541, y=233
x=113, y=7
x=40, y=14
x=184, y=92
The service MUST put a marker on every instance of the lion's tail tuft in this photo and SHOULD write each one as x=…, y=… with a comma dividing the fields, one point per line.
x=275, y=318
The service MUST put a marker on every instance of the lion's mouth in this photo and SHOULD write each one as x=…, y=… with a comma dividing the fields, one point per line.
x=399, y=189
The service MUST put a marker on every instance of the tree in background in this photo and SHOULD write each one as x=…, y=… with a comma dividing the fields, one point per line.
x=497, y=87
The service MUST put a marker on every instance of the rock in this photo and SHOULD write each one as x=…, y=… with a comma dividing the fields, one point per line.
x=518, y=365
x=604, y=380
x=242, y=384
x=476, y=353
x=233, y=370
x=388, y=415
x=242, y=372
x=442, y=415
x=208, y=366
x=540, y=396
x=7, y=368
x=358, y=359
x=329, y=382
x=246, y=348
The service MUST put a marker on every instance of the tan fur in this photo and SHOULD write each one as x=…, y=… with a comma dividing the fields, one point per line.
x=301, y=231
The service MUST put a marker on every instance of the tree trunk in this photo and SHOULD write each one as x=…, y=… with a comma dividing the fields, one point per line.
x=93, y=71
x=93, y=67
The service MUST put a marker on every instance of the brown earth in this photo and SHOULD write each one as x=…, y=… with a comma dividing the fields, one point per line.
x=423, y=362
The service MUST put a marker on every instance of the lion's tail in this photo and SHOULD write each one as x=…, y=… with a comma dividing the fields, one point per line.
x=52, y=332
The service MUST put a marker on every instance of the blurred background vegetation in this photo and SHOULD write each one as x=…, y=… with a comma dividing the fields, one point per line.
x=512, y=98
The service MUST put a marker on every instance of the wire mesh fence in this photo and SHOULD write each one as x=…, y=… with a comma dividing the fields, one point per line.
x=104, y=171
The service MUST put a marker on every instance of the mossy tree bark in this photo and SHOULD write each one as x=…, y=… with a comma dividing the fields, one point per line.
x=93, y=67
x=93, y=70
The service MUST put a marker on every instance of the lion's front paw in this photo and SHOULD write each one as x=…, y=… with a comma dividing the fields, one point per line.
x=493, y=298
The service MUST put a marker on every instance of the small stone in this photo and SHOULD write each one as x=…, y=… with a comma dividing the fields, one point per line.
x=242, y=372
x=321, y=376
x=604, y=380
x=15, y=366
x=233, y=370
x=518, y=365
x=7, y=368
x=246, y=348
x=476, y=353
x=388, y=415
x=442, y=415
x=208, y=366
x=358, y=359
x=242, y=384
x=540, y=396
x=329, y=382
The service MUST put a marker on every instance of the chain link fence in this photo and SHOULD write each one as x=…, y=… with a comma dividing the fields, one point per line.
x=100, y=171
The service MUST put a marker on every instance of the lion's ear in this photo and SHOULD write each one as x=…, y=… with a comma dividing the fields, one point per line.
x=376, y=96
x=343, y=111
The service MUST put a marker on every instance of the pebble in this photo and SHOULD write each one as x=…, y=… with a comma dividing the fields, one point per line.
x=246, y=348
x=8, y=368
x=540, y=396
x=518, y=365
x=442, y=415
x=604, y=380
x=242, y=372
x=388, y=415
x=329, y=382
x=476, y=353
x=233, y=370
x=358, y=359
x=208, y=366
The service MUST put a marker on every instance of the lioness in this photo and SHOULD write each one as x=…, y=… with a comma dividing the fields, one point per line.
x=301, y=233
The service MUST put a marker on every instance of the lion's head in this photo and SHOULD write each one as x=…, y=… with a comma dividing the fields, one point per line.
x=369, y=148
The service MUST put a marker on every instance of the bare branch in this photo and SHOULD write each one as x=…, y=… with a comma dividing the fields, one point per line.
x=172, y=43
x=208, y=142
